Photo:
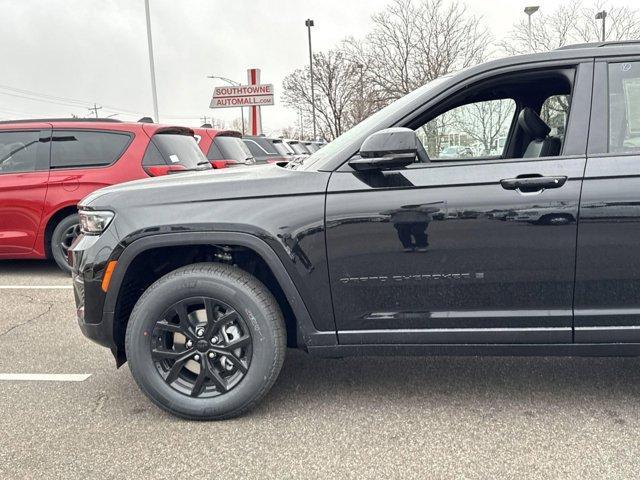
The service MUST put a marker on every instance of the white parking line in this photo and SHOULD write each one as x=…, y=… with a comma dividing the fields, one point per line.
x=45, y=377
x=36, y=287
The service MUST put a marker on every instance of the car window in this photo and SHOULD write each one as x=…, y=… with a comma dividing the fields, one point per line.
x=260, y=147
x=255, y=149
x=474, y=130
x=555, y=113
x=280, y=148
x=624, y=107
x=298, y=148
x=86, y=149
x=311, y=147
x=232, y=148
x=178, y=149
x=214, y=152
x=18, y=151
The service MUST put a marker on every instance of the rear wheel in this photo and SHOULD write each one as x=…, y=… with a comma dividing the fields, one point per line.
x=62, y=237
x=206, y=341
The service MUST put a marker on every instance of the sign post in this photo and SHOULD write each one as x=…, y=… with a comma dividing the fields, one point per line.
x=254, y=95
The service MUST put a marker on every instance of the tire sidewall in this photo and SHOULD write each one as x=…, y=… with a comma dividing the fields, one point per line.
x=56, y=252
x=150, y=309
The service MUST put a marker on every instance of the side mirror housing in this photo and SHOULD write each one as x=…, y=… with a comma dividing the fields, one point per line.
x=389, y=148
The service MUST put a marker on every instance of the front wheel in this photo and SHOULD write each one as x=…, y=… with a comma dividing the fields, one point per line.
x=62, y=237
x=206, y=341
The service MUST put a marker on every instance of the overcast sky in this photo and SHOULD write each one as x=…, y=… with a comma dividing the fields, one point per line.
x=96, y=51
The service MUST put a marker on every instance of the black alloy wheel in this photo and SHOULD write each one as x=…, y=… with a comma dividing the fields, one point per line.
x=68, y=237
x=206, y=341
x=62, y=237
x=201, y=347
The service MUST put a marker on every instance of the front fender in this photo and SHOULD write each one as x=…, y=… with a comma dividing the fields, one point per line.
x=308, y=334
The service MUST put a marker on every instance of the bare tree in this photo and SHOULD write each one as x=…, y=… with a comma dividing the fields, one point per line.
x=412, y=42
x=434, y=134
x=416, y=41
x=336, y=89
x=485, y=122
x=572, y=23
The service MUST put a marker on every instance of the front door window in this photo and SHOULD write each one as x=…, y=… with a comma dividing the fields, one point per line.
x=471, y=131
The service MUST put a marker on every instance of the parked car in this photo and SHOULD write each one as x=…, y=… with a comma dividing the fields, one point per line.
x=47, y=166
x=298, y=147
x=264, y=150
x=223, y=148
x=313, y=147
x=456, y=151
x=282, y=147
x=369, y=247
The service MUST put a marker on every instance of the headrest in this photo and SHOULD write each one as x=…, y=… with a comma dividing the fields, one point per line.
x=532, y=124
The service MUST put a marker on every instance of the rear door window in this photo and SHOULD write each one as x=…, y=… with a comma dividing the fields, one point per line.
x=75, y=149
x=624, y=107
x=175, y=149
x=19, y=151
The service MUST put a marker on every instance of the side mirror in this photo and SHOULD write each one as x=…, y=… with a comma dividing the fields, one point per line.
x=389, y=148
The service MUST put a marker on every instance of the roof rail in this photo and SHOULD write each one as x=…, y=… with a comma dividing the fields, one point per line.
x=617, y=43
x=80, y=120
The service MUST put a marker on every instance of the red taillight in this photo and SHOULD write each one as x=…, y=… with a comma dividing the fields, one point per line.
x=160, y=170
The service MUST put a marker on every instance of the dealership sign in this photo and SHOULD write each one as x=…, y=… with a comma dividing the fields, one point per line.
x=242, y=96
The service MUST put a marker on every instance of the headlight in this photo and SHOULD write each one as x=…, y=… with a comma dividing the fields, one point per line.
x=94, y=222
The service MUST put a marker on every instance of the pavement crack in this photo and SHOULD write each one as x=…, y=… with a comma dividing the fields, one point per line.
x=30, y=320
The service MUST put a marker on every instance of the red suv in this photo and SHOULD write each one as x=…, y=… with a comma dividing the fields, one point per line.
x=47, y=166
x=223, y=148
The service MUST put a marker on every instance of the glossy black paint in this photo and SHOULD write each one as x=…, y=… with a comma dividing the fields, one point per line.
x=214, y=203
x=432, y=258
x=447, y=247
x=607, y=295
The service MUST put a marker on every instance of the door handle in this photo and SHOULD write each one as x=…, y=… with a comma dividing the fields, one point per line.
x=530, y=184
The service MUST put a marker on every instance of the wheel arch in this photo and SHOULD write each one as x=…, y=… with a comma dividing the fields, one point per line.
x=122, y=293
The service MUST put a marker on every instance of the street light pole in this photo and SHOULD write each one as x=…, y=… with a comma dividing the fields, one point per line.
x=309, y=23
x=530, y=11
x=152, y=67
x=602, y=16
x=360, y=68
x=235, y=84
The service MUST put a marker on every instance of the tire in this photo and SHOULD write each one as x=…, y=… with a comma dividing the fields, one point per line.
x=257, y=315
x=65, y=232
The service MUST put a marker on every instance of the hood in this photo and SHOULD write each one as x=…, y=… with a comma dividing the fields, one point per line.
x=209, y=185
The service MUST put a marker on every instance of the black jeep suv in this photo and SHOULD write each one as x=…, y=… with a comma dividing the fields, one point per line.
x=377, y=245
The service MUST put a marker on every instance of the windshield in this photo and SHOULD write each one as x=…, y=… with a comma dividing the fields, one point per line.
x=377, y=120
x=180, y=149
x=450, y=150
x=233, y=148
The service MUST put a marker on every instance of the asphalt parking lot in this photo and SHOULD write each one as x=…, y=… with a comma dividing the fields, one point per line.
x=347, y=418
